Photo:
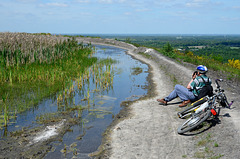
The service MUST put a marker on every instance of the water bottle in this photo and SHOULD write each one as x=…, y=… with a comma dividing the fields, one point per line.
x=203, y=106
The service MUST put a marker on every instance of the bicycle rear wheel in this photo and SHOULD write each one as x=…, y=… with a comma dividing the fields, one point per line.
x=194, y=121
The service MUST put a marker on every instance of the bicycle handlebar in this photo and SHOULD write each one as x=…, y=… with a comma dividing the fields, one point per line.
x=218, y=86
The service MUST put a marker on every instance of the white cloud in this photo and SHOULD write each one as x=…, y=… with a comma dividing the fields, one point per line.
x=105, y=1
x=122, y=1
x=54, y=5
x=82, y=1
x=236, y=7
x=197, y=3
x=230, y=19
x=142, y=10
x=25, y=1
x=127, y=13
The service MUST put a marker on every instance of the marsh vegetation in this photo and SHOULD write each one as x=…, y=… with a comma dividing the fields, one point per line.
x=46, y=79
x=35, y=66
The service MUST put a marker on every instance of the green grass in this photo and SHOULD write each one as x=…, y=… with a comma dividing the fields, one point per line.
x=31, y=72
x=229, y=71
x=209, y=146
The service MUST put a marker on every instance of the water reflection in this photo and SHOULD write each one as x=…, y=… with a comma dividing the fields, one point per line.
x=94, y=98
x=128, y=84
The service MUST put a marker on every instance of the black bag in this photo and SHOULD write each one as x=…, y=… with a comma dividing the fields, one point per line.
x=206, y=90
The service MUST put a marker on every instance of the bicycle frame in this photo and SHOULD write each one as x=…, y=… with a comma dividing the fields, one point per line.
x=201, y=112
x=196, y=105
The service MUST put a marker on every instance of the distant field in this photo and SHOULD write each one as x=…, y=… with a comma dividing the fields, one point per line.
x=235, y=47
x=226, y=46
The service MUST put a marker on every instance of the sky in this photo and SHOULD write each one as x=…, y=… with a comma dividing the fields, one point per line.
x=121, y=16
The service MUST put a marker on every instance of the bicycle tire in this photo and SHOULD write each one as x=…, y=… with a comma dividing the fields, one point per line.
x=185, y=127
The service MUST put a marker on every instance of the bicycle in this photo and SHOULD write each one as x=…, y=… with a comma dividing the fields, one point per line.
x=203, y=109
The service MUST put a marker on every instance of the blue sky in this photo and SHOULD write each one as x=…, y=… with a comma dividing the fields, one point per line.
x=121, y=16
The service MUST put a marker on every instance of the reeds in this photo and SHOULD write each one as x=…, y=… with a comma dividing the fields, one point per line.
x=5, y=107
x=97, y=78
x=34, y=67
x=22, y=53
x=24, y=48
x=37, y=66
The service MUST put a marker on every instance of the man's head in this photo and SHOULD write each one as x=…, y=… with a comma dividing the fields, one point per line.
x=202, y=69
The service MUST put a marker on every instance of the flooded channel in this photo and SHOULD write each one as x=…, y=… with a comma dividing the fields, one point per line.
x=96, y=107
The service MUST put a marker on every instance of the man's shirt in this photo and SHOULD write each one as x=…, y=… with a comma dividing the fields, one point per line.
x=198, y=83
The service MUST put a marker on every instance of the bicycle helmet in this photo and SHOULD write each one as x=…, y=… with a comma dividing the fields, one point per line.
x=202, y=69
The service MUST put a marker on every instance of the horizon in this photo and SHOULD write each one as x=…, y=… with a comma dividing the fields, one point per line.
x=137, y=34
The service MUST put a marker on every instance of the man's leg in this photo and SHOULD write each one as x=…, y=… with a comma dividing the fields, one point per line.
x=172, y=95
x=183, y=93
x=179, y=91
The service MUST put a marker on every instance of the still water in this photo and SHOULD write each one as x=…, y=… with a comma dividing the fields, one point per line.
x=129, y=83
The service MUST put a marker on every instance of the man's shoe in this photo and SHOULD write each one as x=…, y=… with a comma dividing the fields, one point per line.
x=184, y=103
x=162, y=101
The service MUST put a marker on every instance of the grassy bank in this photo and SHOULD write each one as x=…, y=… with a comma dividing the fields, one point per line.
x=231, y=68
x=33, y=67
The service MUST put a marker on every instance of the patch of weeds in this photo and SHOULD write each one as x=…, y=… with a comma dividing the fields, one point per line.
x=174, y=79
x=216, y=157
x=48, y=118
x=145, y=55
x=184, y=156
x=205, y=141
x=204, y=125
x=199, y=154
x=207, y=150
x=201, y=142
x=68, y=149
x=18, y=132
x=209, y=137
x=216, y=144
x=208, y=144
x=64, y=150
x=137, y=70
x=69, y=130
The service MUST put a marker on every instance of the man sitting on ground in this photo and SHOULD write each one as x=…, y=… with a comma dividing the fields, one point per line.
x=189, y=94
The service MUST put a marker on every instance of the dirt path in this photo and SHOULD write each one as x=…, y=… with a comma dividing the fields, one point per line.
x=150, y=129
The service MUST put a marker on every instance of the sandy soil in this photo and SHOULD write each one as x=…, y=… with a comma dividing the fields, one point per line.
x=146, y=129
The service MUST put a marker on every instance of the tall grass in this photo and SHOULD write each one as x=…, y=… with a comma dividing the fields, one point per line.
x=33, y=67
x=21, y=54
x=97, y=78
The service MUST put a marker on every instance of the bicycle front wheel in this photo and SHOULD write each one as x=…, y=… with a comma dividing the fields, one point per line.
x=194, y=121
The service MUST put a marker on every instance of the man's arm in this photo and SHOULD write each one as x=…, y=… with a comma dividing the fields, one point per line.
x=189, y=84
